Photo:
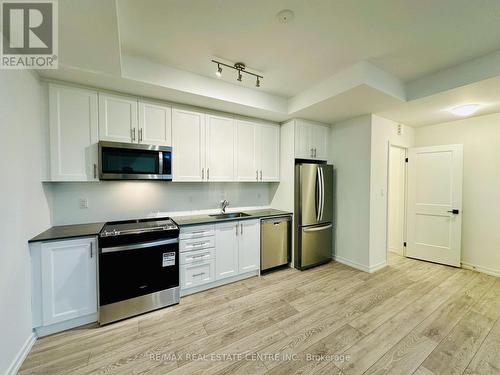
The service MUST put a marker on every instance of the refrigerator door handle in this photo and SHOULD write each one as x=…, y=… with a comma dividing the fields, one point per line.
x=318, y=190
x=322, y=193
x=317, y=229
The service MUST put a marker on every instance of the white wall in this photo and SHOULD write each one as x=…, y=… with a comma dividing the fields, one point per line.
x=24, y=205
x=350, y=148
x=383, y=132
x=119, y=200
x=359, y=150
x=481, y=186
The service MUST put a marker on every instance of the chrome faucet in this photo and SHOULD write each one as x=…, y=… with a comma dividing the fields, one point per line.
x=223, y=205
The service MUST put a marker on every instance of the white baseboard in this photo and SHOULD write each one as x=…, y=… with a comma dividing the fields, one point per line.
x=486, y=270
x=21, y=355
x=359, y=266
x=201, y=288
x=378, y=266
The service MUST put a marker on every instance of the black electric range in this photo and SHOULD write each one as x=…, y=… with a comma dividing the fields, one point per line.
x=138, y=267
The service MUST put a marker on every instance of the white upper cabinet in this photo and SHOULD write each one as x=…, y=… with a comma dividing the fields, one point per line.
x=155, y=124
x=69, y=279
x=73, y=133
x=247, y=151
x=320, y=136
x=303, y=135
x=248, y=245
x=269, y=153
x=311, y=140
x=188, y=145
x=118, y=120
x=258, y=151
x=221, y=141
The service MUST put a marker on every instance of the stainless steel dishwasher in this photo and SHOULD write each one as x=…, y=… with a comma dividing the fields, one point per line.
x=275, y=242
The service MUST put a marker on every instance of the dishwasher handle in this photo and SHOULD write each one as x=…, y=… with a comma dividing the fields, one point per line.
x=276, y=220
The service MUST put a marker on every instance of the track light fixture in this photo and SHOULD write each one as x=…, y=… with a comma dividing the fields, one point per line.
x=240, y=67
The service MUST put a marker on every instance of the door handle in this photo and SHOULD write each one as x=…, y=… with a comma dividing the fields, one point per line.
x=317, y=229
x=241, y=229
x=454, y=211
x=95, y=171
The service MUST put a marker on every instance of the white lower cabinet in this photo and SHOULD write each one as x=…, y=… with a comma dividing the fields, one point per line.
x=249, y=246
x=64, y=283
x=212, y=255
x=197, y=273
x=226, y=263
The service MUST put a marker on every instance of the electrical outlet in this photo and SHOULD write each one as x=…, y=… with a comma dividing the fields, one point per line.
x=84, y=203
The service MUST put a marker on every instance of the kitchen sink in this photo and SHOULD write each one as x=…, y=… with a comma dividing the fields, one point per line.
x=230, y=215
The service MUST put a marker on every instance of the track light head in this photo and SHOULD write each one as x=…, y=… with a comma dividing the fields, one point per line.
x=239, y=75
x=218, y=73
x=257, y=83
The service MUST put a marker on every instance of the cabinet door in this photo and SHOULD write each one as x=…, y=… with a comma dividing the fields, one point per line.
x=269, y=153
x=69, y=273
x=303, y=141
x=249, y=245
x=73, y=133
x=226, y=250
x=155, y=124
x=221, y=140
x=247, y=153
x=188, y=145
x=117, y=118
x=320, y=142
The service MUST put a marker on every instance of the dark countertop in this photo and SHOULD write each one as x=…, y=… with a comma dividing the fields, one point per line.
x=83, y=230
x=206, y=219
x=69, y=231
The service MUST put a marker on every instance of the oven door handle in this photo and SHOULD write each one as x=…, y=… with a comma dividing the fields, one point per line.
x=142, y=245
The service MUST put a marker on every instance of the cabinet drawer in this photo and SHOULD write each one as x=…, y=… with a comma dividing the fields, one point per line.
x=196, y=257
x=197, y=232
x=195, y=274
x=197, y=244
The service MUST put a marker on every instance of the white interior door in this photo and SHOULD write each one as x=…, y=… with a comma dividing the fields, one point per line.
x=435, y=203
x=397, y=192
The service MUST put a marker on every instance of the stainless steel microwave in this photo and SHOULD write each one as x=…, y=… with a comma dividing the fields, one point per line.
x=132, y=161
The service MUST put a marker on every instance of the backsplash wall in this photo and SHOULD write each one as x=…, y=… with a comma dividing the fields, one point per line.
x=119, y=200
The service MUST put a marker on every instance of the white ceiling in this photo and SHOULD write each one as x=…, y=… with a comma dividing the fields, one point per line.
x=407, y=38
x=404, y=60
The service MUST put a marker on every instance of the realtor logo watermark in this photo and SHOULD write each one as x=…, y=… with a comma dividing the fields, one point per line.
x=29, y=31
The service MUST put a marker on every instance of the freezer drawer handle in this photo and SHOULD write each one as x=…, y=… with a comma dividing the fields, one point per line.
x=316, y=229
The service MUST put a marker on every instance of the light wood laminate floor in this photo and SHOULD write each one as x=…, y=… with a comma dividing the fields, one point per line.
x=411, y=317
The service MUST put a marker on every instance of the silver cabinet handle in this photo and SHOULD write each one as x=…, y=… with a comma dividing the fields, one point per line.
x=315, y=153
x=202, y=173
x=257, y=175
x=91, y=250
x=197, y=256
x=198, y=274
x=133, y=134
x=208, y=174
x=197, y=244
x=241, y=229
x=140, y=135
x=312, y=153
x=236, y=229
x=95, y=170
x=261, y=174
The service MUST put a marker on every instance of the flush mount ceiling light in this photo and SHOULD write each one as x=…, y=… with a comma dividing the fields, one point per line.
x=464, y=109
x=240, y=68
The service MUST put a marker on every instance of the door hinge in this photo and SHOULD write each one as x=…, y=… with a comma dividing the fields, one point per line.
x=406, y=160
x=404, y=244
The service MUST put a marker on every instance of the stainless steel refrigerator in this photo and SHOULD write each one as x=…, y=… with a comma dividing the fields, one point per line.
x=313, y=214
